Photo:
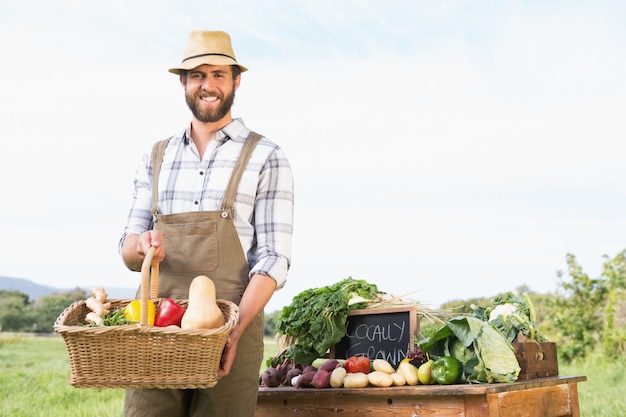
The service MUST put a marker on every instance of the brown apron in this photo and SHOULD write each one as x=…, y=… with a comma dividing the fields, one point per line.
x=202, y=243
x=205, y=243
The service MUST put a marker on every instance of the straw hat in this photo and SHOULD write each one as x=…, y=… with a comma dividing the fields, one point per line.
x=207, y=47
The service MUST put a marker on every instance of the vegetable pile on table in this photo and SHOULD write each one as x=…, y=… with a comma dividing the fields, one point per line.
x=462, y=349
x=354, y=372
x=315, y=321
x=361, y=372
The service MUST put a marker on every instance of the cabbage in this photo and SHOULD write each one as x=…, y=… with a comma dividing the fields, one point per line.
x=485, y=353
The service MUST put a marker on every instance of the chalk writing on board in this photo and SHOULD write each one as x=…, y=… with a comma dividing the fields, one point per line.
x=385, y=334
x=362, y=336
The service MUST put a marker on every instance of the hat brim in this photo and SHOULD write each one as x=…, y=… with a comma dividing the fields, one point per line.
x=205, y=60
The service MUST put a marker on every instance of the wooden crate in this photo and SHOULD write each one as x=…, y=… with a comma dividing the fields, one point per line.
x=536, y=360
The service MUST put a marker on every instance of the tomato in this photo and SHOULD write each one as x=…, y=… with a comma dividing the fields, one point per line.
x=356, y=364
x=169, y=313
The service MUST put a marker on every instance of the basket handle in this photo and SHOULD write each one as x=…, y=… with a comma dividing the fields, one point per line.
x=149, y=284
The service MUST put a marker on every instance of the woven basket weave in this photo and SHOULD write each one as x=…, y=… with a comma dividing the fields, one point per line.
x=141, y=356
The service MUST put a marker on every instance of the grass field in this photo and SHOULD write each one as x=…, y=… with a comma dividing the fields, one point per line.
x=34, y=373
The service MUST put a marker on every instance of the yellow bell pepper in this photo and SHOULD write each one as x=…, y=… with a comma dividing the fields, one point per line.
x=133, y=312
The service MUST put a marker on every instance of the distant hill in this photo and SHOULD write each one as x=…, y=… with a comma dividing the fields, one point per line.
x=35, y=290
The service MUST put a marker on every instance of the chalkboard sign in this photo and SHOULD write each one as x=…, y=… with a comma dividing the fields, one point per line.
x=381, y=333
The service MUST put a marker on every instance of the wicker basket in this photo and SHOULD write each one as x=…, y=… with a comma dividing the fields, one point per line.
x=141, y=356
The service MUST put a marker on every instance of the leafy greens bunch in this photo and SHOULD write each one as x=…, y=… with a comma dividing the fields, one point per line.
x=316, y=318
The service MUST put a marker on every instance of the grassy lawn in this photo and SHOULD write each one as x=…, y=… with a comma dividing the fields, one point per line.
x=35, y=374
x=34, y=383
x=602, y=395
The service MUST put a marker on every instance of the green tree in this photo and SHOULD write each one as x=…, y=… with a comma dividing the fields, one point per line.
x=463, y=307
x=613, y=336
x=576, y=311
x=48, y=307
x=271, y=322
x=15, y=315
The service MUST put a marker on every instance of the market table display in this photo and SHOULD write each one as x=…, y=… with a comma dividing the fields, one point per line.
x=540, y=397
x=493, y=362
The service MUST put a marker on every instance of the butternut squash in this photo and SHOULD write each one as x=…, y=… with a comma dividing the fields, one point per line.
x=202, y=309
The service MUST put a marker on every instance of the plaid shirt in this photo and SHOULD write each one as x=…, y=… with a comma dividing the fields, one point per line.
x=263, y=212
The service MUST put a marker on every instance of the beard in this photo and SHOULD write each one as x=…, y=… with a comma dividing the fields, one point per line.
x=210, y=115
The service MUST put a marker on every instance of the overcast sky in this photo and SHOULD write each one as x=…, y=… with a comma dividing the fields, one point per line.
x=448, y=149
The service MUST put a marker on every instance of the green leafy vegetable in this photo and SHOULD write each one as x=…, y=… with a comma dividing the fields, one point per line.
x=511, y=315
x=316, y=318
x=486, y=355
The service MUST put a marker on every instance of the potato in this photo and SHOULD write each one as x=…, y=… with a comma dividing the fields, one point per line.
x=380, y=379
x=356, y=380
x=409, y=372
x=321, y=379
x=337, y=376
x=398, y=379
x=383, y=366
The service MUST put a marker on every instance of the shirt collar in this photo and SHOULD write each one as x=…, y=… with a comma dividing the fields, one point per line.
x=235, y=130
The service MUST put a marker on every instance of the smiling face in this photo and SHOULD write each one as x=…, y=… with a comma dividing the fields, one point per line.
x=210, y=91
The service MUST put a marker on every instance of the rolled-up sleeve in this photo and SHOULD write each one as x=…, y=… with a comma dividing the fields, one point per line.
x=139, y=217
x=273, y=219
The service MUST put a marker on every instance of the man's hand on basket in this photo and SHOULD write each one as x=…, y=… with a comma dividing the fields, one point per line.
x=151, y=238
x=136, y=247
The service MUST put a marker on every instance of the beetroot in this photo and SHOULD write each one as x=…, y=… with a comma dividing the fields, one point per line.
x=291, y=374
x=272, y=377
x=304, y=381
x=309, y=368
x=329, y=365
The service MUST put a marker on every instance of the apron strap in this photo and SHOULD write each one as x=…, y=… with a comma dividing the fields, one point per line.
x=228, y=202
x=157, y=159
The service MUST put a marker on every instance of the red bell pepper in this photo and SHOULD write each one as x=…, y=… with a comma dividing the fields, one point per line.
x=169, y=313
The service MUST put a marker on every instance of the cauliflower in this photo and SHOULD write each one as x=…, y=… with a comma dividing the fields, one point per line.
x=502, y=310
x=510, y=315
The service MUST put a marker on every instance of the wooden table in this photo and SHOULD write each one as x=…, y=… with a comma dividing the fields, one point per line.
x=543, y=397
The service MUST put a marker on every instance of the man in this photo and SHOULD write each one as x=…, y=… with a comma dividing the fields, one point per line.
x=205, y=217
